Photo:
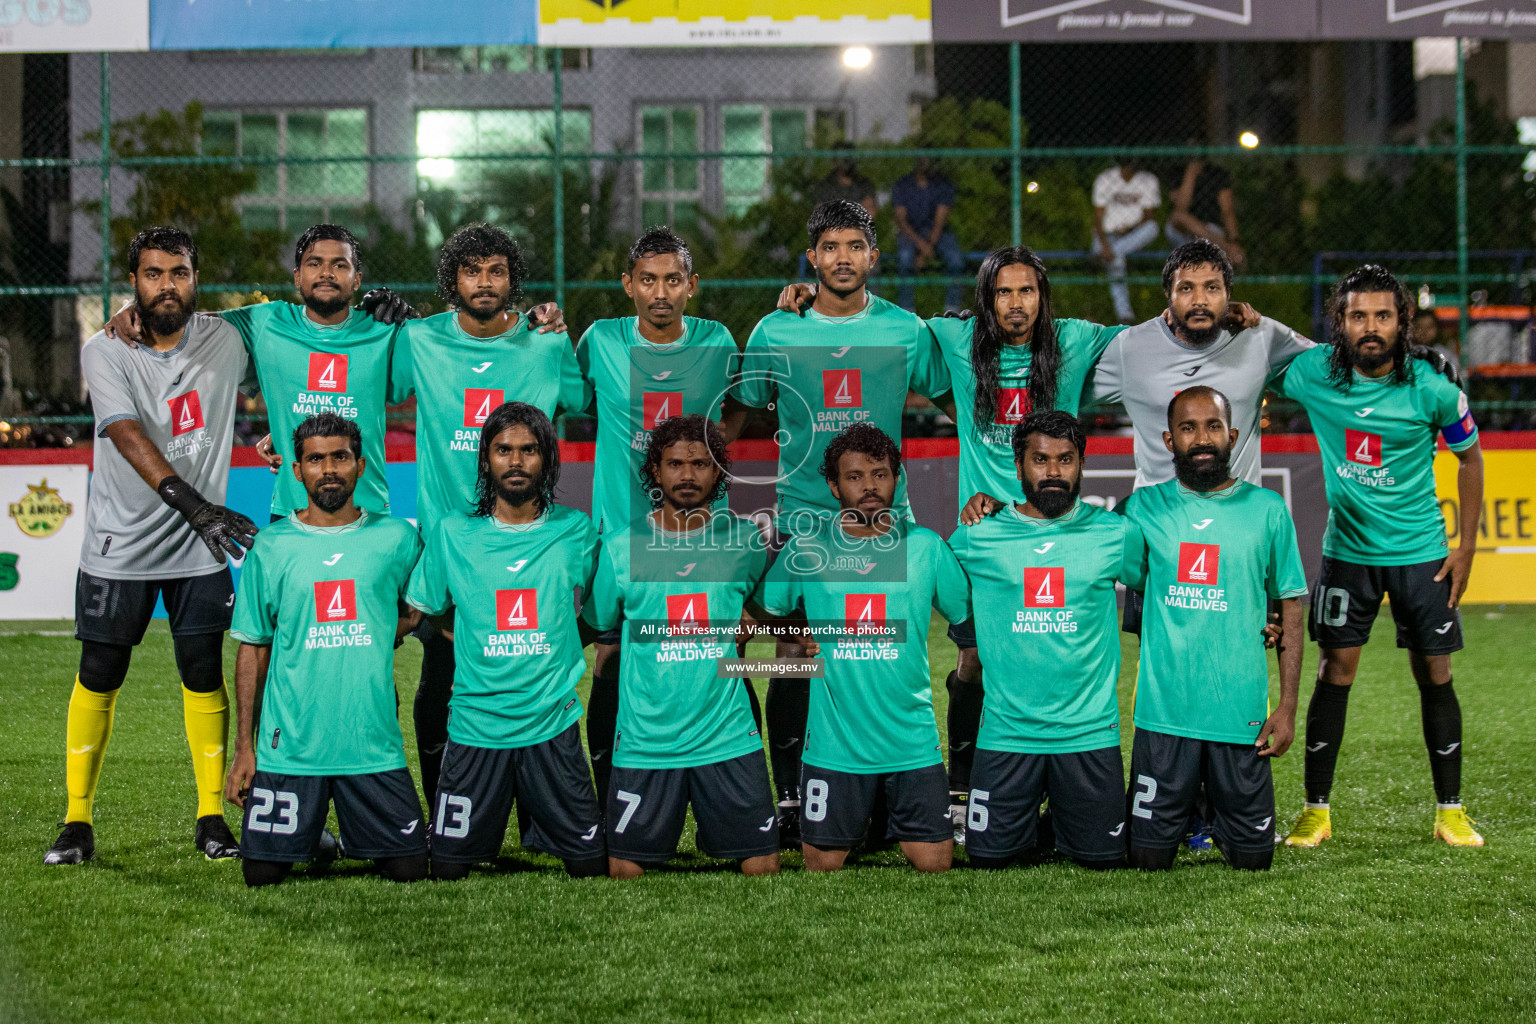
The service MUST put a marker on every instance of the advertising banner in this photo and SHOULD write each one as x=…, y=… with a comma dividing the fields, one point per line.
x=56, y=26
x=1081, y=21
x=1406, y=19
x=731, y=22
x=1504, y=570
x=40, y=539
x=276, y=24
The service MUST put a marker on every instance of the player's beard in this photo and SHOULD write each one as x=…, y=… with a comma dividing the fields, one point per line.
x=841, y=290
x=330, y=494
x=326, y=307
x=1198, y=335
x=1052, y=498
x=1196, y=477
x=519, y=493
x=690, y=501
x=1369, y=362
x=164, y=318
x=503, y=303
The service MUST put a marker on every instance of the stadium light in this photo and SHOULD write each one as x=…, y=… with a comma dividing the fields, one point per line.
x=857, y=57
x=1248, y=140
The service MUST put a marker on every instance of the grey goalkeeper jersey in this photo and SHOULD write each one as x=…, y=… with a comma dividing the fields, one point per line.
x=1146, y=365
x=185, y=400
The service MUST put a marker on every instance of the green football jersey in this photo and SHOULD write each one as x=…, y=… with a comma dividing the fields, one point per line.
x=821, y=374
x=306, y=369
x=1044, y=594
x=517, y=651
x=326, y=599
x=1212, y=563
x=636, y=386
x=868, y=602
x=680, y=597
x=458, y=380
x=986, y=455
x=1377, y=440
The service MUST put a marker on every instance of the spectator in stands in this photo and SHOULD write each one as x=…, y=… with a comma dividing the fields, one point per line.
x=845, y=182
x=1426, y=332
x=923, y=200
x=1124, y=199
x=1203, y=207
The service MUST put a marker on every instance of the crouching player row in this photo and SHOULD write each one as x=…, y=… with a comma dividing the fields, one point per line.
x=1210, y=552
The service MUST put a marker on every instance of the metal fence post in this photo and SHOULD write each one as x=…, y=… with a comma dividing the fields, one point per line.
x=1016, y=134
x=1462, y=271
x=106, y=189
x=559, y=252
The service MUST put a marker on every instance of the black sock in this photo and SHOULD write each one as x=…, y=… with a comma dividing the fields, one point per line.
x=964, y=722
x=1242, y=860
x=789, y=702
x=430, y=712
x=589, y=867
x=449, y=872
x=990, y=863
x=412, y=868
x=602, y=721
x=1144, y=858
x=1442, y=737
x=1325, y=726
x=264, y=872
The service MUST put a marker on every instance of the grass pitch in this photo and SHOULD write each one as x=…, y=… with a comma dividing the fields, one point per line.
x=1381, y=923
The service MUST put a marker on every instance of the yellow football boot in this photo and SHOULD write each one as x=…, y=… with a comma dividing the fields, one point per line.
x=1453, y=825
x=1311, y=828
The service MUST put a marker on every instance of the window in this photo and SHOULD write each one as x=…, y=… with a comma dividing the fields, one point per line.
x=444, y=136
x=744, y=181
x=484, y=60
x=291, y=197
x=669, y=189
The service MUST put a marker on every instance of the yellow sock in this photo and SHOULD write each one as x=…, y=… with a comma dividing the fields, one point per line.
x=85, y=741
x=207, y=718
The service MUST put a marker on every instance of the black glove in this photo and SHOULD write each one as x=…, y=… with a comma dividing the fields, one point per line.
x=1435, y=358
x=387, y=307
x=222, y=529
x=964, y=314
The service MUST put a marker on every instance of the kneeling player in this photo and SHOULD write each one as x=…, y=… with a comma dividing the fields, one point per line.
x=680, y=580
x=1051, y=720
x=1217, y=549
x=509, y=570
x=874, y=576
x=317, y=621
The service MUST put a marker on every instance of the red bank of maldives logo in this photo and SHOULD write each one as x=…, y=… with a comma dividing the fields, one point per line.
x=335, y=601
x=864, y=613
x=1198, y=563
x=1045, y=587
x=517, y=609
x=841, y=389
x=660, y=405
x=1362, y=447
x=327, y=372
x=479, y=403
x=186, y=413
x=1012, y=406
x=687, y=614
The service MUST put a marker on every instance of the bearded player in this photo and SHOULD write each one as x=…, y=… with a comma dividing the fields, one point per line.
x=643, y=370
x=681, y=580
x=156, y=527
x=1376, y=413
x=851, y=359
x=461, y=365
x=513, y=572
x=1218, y=550
x=1043, y=577
x=318, y=619
x=867, y=581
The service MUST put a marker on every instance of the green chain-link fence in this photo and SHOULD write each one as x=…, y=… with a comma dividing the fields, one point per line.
x=1331, y=154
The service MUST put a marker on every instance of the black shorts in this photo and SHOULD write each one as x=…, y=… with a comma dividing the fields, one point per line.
x=1166, y=776
x=117, y=612
x=1347, y=597
x=835, y=806
x=964, y=634
x=477, y=787
x=1087, y=803
x=732, y=805
x=379, y=815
